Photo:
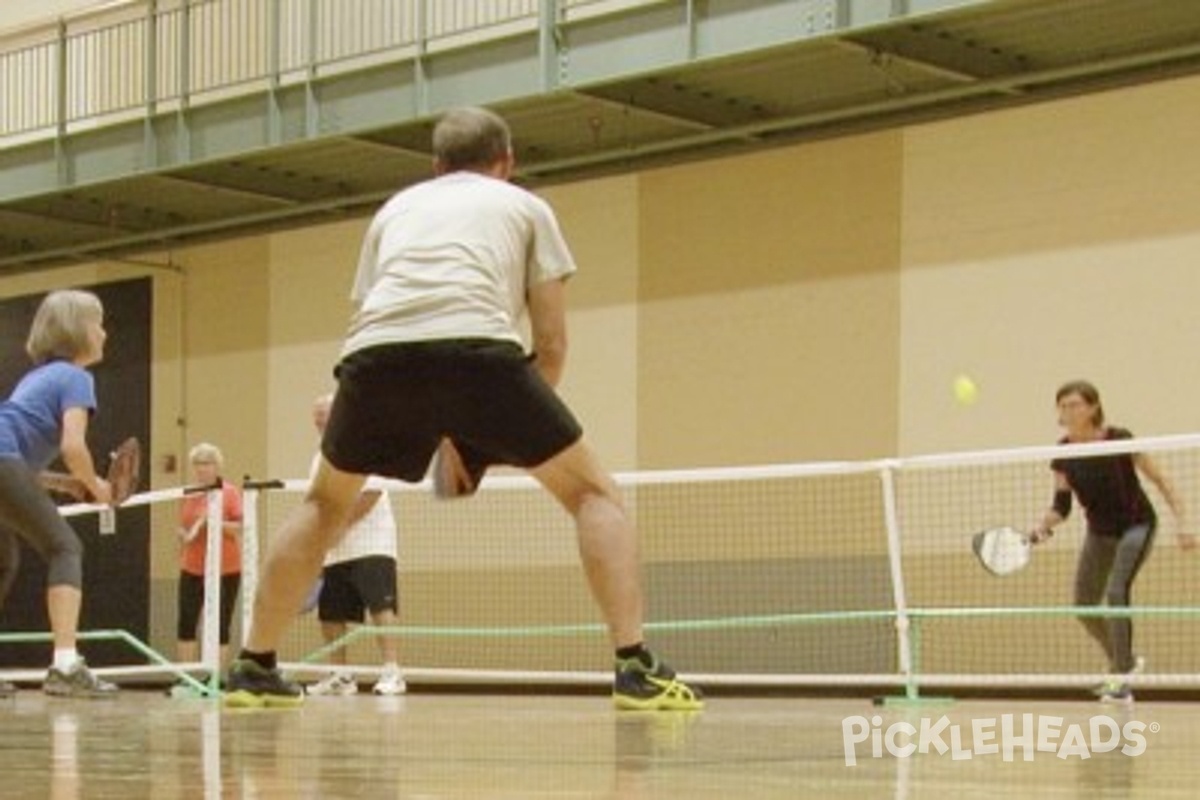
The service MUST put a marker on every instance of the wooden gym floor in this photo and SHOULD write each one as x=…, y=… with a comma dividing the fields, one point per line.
x=426, y=746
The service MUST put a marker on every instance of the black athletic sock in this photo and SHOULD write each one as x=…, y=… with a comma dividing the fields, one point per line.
x=265, y=660
x=637, y=651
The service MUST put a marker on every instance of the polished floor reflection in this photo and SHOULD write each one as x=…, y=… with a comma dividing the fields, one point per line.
x=145, y=745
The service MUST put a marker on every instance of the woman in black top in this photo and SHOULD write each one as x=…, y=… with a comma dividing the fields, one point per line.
x=1121, y=523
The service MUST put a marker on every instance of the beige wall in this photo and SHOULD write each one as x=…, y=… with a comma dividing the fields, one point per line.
x=602, y=221
x=768, y=307
x=309, y=274
x=226, y=351
x=1048, y=243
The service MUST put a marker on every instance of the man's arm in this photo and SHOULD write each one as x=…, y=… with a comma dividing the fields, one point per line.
x=548, y=321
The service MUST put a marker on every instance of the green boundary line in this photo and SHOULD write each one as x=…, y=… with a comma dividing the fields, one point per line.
x=915, y=616
x=211, y=689
x=911, y=696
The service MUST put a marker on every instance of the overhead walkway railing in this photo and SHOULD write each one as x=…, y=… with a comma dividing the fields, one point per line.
x=150, y=57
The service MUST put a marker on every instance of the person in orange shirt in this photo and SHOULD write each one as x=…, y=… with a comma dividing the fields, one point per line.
x=207, y=461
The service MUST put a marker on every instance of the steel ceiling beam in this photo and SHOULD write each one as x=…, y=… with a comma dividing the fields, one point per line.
x=1054, y=81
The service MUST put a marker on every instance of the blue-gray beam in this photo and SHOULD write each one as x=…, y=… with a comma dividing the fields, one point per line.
x=558, y=52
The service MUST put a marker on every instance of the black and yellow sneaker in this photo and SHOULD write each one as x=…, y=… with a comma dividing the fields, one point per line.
x=249, y=685
x=652, y=687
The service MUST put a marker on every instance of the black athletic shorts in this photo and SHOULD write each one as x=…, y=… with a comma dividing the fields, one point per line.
x=351, y=587
x=191, y=601
x=395, y=402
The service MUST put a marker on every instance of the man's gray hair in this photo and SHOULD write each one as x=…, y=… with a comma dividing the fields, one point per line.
x=470, y=138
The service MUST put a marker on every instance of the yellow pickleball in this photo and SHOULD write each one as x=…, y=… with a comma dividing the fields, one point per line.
x=965, y=390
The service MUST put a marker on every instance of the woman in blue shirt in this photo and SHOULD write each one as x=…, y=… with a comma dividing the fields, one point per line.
x=45, y=417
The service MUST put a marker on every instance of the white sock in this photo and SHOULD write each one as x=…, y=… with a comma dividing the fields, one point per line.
x=65, y=658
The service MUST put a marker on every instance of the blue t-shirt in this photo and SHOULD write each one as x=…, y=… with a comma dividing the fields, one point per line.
x=31, y=418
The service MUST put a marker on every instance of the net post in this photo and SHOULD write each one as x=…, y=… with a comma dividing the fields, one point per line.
x=249, y=553
x=210, y=643
x=891, y=522
x=911, y=690
x=251, y=490
x=908, y=637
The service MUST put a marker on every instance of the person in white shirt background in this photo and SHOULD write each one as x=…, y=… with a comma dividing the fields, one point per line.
x=359, y=577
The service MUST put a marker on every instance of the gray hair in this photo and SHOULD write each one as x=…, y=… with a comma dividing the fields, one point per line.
x=470, y=138
x=205, y=452
x=60, y=327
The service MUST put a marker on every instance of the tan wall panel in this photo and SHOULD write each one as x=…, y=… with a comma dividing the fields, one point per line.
x=311, y=273
x=768, y=314
x=601, y=222
x=227, y=348
x=1048, y=243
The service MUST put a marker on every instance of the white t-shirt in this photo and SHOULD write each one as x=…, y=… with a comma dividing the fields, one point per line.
x=452, y=258
x=373, y=535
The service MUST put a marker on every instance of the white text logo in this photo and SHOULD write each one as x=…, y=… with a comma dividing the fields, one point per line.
x=1005, y=736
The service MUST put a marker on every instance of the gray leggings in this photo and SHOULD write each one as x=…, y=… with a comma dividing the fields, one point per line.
x=1107, y=567
x=26, y=512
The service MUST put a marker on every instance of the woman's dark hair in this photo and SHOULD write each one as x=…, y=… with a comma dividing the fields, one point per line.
x=1088, y=392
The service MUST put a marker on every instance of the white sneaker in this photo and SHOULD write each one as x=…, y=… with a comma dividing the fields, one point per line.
x=391, y=682
x=339, y=684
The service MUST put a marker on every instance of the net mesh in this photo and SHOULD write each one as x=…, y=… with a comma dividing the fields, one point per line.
x=830, y=574
x=787, y=571
x=495, y=582
x=1020, y=624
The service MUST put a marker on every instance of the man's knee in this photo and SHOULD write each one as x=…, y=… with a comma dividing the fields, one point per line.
x=577, y=480
x=331, y=514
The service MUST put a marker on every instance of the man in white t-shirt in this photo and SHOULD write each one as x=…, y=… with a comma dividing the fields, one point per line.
x=435, y=361
x=359, y=577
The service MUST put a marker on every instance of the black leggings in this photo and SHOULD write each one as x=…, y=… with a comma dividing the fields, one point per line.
x=1107, y=567
x=27, y=513
x=191, y=600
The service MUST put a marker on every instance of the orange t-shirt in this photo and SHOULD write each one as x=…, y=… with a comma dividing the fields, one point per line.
x=195, y=507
